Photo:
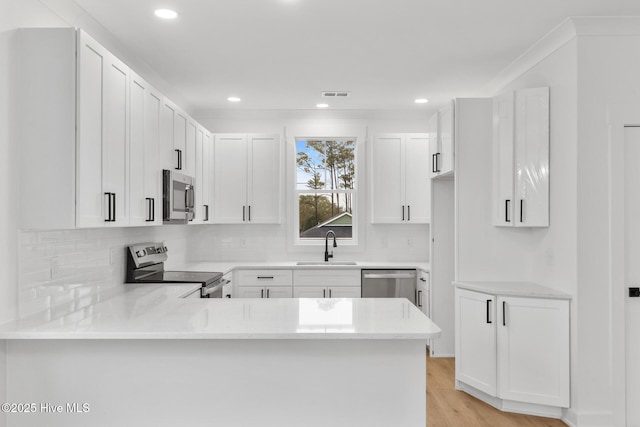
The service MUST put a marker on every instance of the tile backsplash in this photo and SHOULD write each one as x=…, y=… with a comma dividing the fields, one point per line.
x=66, y=270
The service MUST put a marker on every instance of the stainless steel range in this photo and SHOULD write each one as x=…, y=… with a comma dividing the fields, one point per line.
x=145, y=264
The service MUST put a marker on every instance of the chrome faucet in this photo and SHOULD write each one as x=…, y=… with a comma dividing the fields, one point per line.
x=328, y=255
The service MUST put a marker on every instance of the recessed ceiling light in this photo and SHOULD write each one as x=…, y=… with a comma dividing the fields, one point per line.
x=166, y=14
x=322, y=105
x=233, y=99
x=421, y=101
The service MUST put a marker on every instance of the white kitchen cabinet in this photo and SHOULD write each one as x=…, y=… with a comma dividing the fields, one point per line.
x=327, y=283
x=400, y=190
x=247, y=179
x=513, y=348
x=521, y=158
x=203, y=176
x=476, y=342
x=442, y=148
x=178, y=137
x=423, y=293
x=145, y=178
x=264, y=283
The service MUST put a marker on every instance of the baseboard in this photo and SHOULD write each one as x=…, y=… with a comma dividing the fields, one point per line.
x=570, y=418
x=588, y=419
x=512, y=406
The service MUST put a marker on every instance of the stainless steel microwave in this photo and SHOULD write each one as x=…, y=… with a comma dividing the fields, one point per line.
x=178, y=197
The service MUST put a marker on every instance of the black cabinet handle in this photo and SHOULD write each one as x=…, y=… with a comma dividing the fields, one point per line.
x=329, y=293
x=153, y=209
x=408, y=212
x=265, y=277
x=114, y=207
x=324, y=293
x=422, y=279
x=249, y=212
x=150, y=209
x=504, y=316
x=243, y=213
x=108, y=218
x=206, y=212
x=267, y=293
x=488, y=311
x=437, y=163
x=179, y=158
x=403, y=212
x=507, y=203
x=433, y=163
x=419, y=298
x=261, y=293
x=521, y=209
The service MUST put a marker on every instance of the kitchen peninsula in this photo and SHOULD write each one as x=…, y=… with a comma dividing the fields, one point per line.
x=240, y=362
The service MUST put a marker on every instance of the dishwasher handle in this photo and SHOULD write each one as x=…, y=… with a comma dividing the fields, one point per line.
x=389, y=275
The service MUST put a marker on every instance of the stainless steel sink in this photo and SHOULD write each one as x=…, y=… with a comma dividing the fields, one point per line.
x=328, y=264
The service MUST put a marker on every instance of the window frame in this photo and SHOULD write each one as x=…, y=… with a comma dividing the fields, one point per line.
x=333, y=131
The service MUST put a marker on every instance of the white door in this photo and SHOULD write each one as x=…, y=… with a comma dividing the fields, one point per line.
x=533, y=350
x=90, y=200
x=388, y=176
x=344, y=292
x=476, y=340
x=168, y=155
x=199, y=176
x=190, y=156
x=446, y=133
x=632, y=271
x=432, y=130
x=309, y=291
x=532, y=157
x=230, y=179
x=503, y=170
x=180, y=140
x=417, y=184
x=264, y=179
x=152, y=165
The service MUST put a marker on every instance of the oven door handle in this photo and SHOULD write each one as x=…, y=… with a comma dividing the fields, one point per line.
x=390, y=275
x=214, y=287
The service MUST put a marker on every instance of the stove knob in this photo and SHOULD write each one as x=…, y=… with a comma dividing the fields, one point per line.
x=164, y=249
x=141, y=253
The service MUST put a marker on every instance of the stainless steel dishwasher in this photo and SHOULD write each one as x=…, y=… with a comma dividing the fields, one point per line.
x=389, y=284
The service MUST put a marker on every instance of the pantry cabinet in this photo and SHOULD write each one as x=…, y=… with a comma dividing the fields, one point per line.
x=442, y=125
x=512, y=347
x=521, y=158
x=247, y=179
x=400, y=180
x=145, y=179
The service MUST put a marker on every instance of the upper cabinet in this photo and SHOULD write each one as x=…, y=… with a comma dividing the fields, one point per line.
x=94, y=136
x=246, y=179
x=442, y=126
x=400, y=179
x=521, y=158
x=204, y=176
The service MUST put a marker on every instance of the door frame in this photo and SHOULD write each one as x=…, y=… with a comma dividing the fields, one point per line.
x=619, y=116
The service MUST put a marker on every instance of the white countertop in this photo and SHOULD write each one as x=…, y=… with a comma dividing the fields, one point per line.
x=228, y=266
x=153, y=311
x=515, y=289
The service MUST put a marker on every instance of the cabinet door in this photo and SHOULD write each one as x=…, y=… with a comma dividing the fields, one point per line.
x=423, y=296
x=263, y=191
x=503, y=169
x=230, y=179
x=476, y=340
x=388, y=180
x=309, y=291
x=532, y=157
x=344, y=292
x=417, y=184
x=167, y=135
x=251, y=292
x=152, y=163
x=180, y=140
x=116, y=143
x=199, y=177
x=432, y=130
x=207, y=162
x=90, y=199
x=279, y=292
x=446, y=135
x=189, y=157
x=533, y=350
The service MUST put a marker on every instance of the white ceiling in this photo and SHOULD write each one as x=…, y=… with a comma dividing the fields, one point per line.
x=281, y=54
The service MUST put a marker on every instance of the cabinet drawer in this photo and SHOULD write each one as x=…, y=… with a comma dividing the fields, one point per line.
x=265, y=278
x=332, y=278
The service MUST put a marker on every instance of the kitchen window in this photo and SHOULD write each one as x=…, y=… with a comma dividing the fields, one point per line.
x=325, y=189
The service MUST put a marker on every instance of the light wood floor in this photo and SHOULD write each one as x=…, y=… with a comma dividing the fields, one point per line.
x=447, y=407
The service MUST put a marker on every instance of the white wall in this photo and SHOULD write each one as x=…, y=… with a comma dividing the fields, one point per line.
x=269, y=242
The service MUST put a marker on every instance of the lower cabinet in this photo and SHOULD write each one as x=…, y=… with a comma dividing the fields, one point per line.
x=423, y=295
x=265, y=284
x=513, y=348
x=326, y=284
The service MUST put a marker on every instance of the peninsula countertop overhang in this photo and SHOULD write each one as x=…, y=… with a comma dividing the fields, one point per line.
x=159, y=312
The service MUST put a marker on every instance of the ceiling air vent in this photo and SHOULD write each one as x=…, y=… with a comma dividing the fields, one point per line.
x=336, y=94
